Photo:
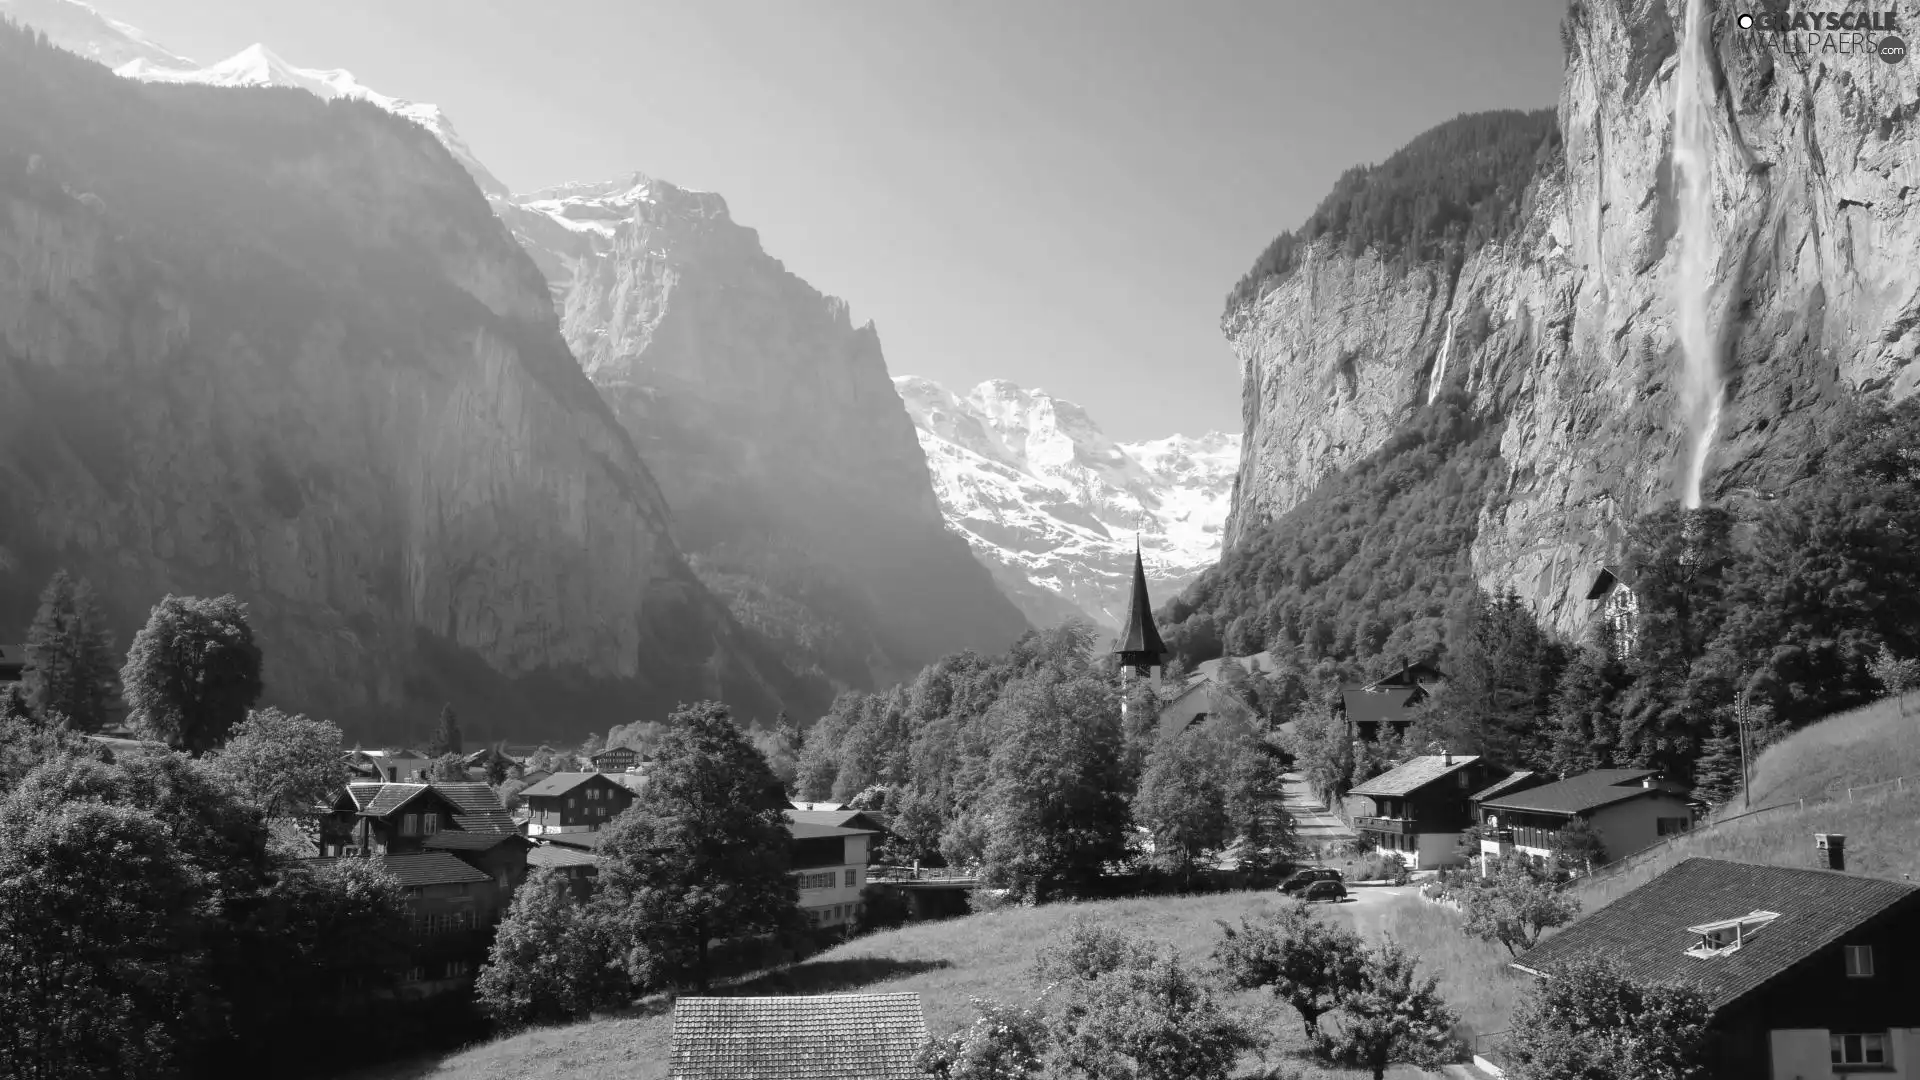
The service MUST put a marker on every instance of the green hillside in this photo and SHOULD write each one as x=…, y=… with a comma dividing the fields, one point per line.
x=1870, y=745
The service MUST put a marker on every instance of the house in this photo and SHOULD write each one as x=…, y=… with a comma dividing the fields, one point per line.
x=453, y=907
x=13, y=663
x=484, y=759
x=819, y=806
x=823, y=1037
x=393, y=768
x=1254, y=666
x=1808, y=973
x=1618, y=608
x=616, y=759
x=1201, y=701
x=831, y=851
x=1628, y=809
x=1381, y=707
x=534, y=777
x=1421, y=808
x=577, y=865
x=573, y=802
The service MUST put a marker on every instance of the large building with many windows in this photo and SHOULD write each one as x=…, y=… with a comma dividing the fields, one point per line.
x=831, y=852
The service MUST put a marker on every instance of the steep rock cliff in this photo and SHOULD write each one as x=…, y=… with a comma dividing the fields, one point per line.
x=794, y=475
x=254, y=342
x=1564, y=325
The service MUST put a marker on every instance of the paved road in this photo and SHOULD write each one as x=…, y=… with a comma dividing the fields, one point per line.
x=1311, y=819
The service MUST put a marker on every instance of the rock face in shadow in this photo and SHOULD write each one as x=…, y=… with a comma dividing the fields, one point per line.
x=796, y=481
x=1565, y=327
x=255, y=342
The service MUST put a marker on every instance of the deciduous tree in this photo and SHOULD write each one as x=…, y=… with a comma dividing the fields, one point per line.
x=283, y=763
x=553, y=959
x=1392, y=1016
x=1588, y=1020
x=1182, y=803
x=1296, y=957
x=1005, y=1042
x=1514, y=904
x=193, y=672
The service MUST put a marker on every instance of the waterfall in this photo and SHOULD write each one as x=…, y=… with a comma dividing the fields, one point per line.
x=1700, y=387
x=1440, y=365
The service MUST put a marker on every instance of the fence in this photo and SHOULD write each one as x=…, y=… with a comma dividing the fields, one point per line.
x=1898, y=783
x=912, y=873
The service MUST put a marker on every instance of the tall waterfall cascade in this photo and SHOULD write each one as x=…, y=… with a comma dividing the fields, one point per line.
x=1701, y=387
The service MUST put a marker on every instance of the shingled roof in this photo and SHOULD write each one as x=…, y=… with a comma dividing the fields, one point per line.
x=562, y=782
x=1606, y=579
x=1645, y=932
x=560, y=857
x=477, y=808
x=825, y=1037
x=469, y=841
x=1139, y=636
x=389, y=798
x=1391, y=705
x=851, y=819
x=1519, y=781
x=1414, y=775
x=1576, y=794
x=425, y=868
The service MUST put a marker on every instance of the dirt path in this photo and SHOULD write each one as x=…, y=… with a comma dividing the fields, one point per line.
x=1312, y=821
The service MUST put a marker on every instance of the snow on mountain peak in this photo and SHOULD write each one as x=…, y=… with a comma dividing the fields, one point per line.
x=1051, y=504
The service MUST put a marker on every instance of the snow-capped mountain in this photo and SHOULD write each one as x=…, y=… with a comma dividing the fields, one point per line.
x=78, y=27
x=1051, y=505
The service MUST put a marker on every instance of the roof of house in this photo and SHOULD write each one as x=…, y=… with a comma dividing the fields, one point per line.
x=560, y=783
x=1138, y=634
x=1365, y=706
x=425, y=868
x=824, y=1037
x=477, y=808
x=807, y=830
x=1576, y=794
x=1606, y=579
x=615, y=751
x=856, y=819
x=1414, y=774
x=587, y=840
x=1518, y=781
x=1410, y=675
x=819, y=806
x=560, y=857
x=459, y=840
x=1259, y=663
x=482, y=757
x=533, y=778
x=391, y=797
x=1646, y=931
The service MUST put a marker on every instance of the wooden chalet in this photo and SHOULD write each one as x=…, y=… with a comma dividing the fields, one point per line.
x=1617, y=608
x=616, y=759
x=1808, y=973
x=1422, y=807
x=574, y=802
x=1384, y=706
x=1627, y=809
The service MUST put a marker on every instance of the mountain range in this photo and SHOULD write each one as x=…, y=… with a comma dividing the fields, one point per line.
x=1054, y=507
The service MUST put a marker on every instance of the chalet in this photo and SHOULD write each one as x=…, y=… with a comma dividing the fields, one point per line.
x=870, y=1036
x=1383, y=706
x=616, y=759
x=1628, y=809
x=1421, y=808
x=573, y=802
x=484, y=759
x=1204, y=700
x=535, y=777
x=453, y=907
x=388, y=767
x=831, y=852
x=577, y=865
x=13, y=663
x=1808, y=973
x=1255, y=666
x=1617, y=607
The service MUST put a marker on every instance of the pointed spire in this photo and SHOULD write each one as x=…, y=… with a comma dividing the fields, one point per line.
x=1140, y=644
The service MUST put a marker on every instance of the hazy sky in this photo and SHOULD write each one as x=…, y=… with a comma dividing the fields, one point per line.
x=1060, y=194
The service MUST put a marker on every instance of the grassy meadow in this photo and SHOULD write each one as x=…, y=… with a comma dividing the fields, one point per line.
x=1869, y=745
x=991, y=955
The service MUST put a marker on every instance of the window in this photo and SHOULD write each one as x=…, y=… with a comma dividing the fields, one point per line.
x=500, y=878
x=410, y=825
x=836, y=913
x=415, y=974
x=1670, y=826
x=457, y=969
x=852, y=878
x=601, y=810
x=1864, y=1049
x=1860, y=961
x=1727, y=935
x=571, y=802
x=817, y=881
x=429, y=824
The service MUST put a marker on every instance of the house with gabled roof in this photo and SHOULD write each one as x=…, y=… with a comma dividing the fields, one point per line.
x=574, y=802
x=1617, y=607
x=1423, y=806
x=832, y=850
x=1204, y=700
x=1808, y=973
x=820, y=1037
x=1627, y=809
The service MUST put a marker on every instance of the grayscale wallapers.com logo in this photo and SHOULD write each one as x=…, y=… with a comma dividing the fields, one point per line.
x=1838, y=33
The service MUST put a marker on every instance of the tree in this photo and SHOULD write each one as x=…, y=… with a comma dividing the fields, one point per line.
x=1895, y=675
x=1149, y=1019
x=498, y=764
x=780, y=745
x=705, y=855
x=1716, y=773
x=1503, y=672
x=98, y=942
x=1264, y=829
x=1584, y=724
x=1004, y=1043
x=1392, y=1016
x=1578, y=848
x=1296, y=957
x=26, y=743
x=1588, y=1020
x=446, y=734
x=70, y=668
x=1181, y=803
x=193, y=672
x=1514, y=905
x=448, y=767
x=284, y=763
x=1053, y=806
x=552, y=959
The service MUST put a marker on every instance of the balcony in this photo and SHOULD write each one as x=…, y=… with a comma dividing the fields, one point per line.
x=1390, y=826
x=1496, y=841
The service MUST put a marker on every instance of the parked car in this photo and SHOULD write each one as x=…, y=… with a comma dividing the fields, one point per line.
x=1330, y=891
x=1304, y=878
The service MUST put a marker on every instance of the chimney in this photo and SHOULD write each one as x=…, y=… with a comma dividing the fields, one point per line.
x=1830, y=851
x=1446, y=757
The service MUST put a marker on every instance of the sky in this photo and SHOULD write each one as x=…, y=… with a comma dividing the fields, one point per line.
x=1056, y=193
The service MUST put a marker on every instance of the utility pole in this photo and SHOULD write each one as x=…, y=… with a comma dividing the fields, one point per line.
x=1741, y=719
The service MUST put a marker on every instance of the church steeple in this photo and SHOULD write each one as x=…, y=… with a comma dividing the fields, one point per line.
x=1140, y=646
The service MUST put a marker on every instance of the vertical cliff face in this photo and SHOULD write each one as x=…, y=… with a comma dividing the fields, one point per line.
x=1565, y=325
x=793, y=471
x=253, y=342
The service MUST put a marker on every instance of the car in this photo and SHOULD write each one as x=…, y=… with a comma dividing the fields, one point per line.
x=1330, y=891
x=1307, y=877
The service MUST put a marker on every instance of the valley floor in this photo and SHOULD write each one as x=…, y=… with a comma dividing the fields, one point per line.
x=990, y=955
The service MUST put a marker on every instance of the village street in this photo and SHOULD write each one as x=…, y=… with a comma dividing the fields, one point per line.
x=1313, y=822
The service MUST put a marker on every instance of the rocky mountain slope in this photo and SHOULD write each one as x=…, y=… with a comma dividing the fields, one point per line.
x=1051, y=506
x=789, y=461
x=1564, y=325
x=261, y=343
